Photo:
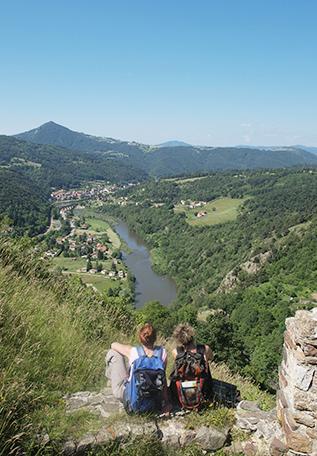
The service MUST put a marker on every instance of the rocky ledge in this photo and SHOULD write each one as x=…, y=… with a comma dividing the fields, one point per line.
x=292, y=431
x=258, y=427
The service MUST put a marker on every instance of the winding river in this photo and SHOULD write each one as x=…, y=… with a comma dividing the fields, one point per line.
x=149, y=286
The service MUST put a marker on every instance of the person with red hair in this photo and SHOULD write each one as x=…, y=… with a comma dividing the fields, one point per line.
x=121, y=357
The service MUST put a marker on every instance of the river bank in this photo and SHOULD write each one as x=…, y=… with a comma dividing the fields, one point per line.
x=149, y=285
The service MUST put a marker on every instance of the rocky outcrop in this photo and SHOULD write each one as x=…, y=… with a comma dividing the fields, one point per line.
x=259, y=427
x=297, y=396
x=118, y=426
x=251, y=267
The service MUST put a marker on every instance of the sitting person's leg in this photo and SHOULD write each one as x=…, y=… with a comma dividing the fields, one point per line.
x=116, y=372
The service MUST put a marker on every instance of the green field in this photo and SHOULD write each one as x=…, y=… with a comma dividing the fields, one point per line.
x=69, y=264
x=73, y=264
x=98, y=225
x=218, y=211
x=100, y=282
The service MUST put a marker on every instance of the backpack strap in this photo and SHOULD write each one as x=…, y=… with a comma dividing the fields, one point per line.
x=200, y=349
x=180, y=350
x=158, y=352
x=140, y=351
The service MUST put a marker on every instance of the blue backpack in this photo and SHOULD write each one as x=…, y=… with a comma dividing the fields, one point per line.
x=144, y=390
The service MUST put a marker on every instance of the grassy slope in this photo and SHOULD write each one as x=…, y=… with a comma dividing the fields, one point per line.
x=219, y=211
x=54, y=333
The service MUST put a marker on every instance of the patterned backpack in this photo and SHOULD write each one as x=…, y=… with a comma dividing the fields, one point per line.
x=191, y=378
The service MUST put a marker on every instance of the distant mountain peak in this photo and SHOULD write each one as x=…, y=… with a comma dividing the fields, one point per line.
x=50, y=123
x=174, y=143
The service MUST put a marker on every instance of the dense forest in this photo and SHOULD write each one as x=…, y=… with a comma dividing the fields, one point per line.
x=53, y=166
x=277, y=218
x=23, y=203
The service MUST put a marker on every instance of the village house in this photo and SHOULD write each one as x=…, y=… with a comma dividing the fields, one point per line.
x=201, y=214
x=101, y=247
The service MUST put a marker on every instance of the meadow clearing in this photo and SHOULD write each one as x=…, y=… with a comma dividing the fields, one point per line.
x=218, y=211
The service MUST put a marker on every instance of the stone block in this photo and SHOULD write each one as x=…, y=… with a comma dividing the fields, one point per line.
x=278, y=447
x=298, y=441
x=282, y=378
x=309, y=350
x=303, y=376
x=249, y=406
x=69, y=448
x=299, y=355
x=85, y=444
x=288, y=421
x=282, y=399
x=210, y=439
x=289, y=340
x=304, y=418
x=312, y=433
x=305, y=400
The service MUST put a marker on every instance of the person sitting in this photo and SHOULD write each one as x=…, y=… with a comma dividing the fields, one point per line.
x=140, y=385
x=191, y=378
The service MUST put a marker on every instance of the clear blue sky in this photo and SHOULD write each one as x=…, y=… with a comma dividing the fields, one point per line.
x=207, y=72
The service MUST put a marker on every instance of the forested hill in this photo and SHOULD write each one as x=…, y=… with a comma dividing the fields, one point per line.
x=23, y=203
x=58, y=167
x=171, y=160
x=248, y=263
x=58, y=135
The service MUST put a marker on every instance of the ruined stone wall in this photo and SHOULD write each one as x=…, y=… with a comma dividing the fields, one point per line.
x=297, y=396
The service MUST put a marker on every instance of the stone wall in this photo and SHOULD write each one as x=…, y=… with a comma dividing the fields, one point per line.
x=297, y=396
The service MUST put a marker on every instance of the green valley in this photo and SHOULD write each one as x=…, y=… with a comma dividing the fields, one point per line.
x=254, y=268
x=241, y=248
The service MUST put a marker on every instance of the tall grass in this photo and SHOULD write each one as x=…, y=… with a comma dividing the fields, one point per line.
x=53, y=338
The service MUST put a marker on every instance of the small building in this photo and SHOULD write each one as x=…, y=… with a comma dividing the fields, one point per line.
x=201, y=214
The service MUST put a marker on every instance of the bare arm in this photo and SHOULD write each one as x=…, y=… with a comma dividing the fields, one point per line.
x=124, y=350
x=208, y=353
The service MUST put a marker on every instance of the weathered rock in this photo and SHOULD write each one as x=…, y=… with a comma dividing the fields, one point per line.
x=250, y=416
x=278, y=447
x=210, y=439
x=103, y=403
x=303, y=377
x=69, y=448
x=305, y=418
x=249, y=406
x=297, y=398
x=175, y=433
x=85, y=444
x=251, y=267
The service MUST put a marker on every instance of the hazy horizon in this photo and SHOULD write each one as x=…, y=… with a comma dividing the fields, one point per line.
x=167, y=140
